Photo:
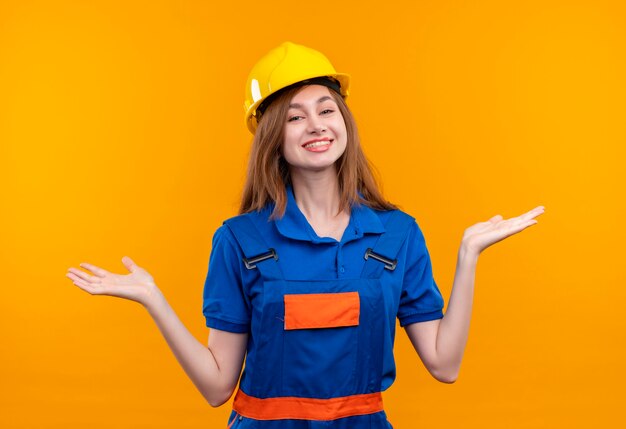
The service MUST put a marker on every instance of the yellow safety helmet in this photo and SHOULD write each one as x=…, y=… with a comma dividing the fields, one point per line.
x=281, y=67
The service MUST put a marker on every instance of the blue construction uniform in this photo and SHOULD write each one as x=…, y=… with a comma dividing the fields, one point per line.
x=336, y=363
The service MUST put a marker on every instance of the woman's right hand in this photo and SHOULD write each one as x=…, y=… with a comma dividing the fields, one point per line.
x=137, y=286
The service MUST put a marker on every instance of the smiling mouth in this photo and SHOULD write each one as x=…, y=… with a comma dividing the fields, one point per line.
x=318, y=144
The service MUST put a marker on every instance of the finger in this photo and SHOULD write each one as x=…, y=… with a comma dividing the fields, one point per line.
x=527, y=225
x=520, y=226
x=129, y=264
x=526, y=216
x=84, y=276
x=77, y=276
x=100, y=272
x=87, y=287
x=537, y=211
x=496, y=218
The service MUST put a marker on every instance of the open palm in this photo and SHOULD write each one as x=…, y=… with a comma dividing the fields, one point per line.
x=482, y=235
x=136, y=286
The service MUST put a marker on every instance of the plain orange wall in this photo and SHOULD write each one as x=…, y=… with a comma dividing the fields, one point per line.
x=121, y=133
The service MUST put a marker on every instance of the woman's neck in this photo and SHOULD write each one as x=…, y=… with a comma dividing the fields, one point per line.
x=317, y=194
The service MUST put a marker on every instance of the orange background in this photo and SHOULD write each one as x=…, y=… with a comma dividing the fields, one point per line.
x=121, y=133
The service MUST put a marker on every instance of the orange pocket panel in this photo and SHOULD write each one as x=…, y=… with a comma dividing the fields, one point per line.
x=322, y=310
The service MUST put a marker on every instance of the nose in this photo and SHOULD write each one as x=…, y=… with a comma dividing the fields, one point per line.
x=317, y=126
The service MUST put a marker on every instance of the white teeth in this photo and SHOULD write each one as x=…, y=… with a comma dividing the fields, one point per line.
x=316, y=144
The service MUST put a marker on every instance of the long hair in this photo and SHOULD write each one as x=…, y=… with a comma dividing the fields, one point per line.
x=268, y=171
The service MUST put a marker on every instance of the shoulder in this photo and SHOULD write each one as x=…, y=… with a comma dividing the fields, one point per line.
x=251, y=233
x=228, y=231
x=256, y=216
x=396, y=219
x=224, y=239
x=385, y=215
x=402, y=223
x=260, y=220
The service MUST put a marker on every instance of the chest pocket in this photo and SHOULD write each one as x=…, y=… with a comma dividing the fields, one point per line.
x=321, y=310
x=320, y=339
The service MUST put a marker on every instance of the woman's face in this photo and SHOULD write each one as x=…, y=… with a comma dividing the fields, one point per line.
x=314, y=131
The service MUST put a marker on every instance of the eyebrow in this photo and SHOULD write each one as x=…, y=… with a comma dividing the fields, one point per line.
x=299, y=106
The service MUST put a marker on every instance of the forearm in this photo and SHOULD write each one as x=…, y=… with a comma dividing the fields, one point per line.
x=454, y=327
x=196, y=359
x=449, y=334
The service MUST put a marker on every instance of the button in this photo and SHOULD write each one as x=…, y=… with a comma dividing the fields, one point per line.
x=342, y=269
x=240, y=418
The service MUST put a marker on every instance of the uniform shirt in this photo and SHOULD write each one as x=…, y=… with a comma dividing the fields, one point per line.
x=230, y=287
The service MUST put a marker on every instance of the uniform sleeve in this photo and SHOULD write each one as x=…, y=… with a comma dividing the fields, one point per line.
x=420, y=299
x=226, y=306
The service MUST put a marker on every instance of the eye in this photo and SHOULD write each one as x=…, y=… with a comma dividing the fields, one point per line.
x=328, y=110
x=293, y=118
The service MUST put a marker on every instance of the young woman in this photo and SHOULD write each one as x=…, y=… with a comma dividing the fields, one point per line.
x=307, y=282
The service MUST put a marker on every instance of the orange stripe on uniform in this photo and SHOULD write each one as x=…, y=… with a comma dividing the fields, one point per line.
x=291, y=407
x=321, y=310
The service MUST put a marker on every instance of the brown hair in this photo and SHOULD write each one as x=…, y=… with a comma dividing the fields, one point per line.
x=268, y=171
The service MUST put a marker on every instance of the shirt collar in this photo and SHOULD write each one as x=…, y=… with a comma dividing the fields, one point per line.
x=294, y=225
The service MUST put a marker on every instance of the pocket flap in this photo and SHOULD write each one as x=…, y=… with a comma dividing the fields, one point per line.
x=322, y=310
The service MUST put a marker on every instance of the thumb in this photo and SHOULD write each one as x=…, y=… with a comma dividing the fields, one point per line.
x=495, y=218
x=129, y=264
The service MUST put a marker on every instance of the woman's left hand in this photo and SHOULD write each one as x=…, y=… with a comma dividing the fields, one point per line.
x=482, y=235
